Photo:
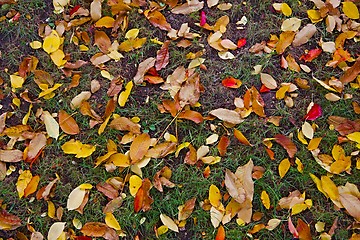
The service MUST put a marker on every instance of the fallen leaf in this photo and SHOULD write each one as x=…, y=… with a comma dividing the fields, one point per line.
x=265, y=199
x=188, y=7
x=144, y=66
x=157, y=19
x=11, y=156
x=162, y=57
x=124, y=95
x=75, y=198
x=239, y=136
x=350, y=10
x=186, y=209
x=67, y=123
x=330, y=188
x=220, y=235
x=223, y=144
x=284, y=167
x=22, y=182
x=272, y=224
x=97, y=229
x=303, y=230
x=125, y=124
x=304, y=35
x=139, y=147
x=268, y=81
x=52, y=126
x=111, y=221
x=167, y=221
x=8, y=221
x=32, y=186
x=56, y=230
x=285, y=40
x=231, y=82
x=107, y=189
x=287, y=144
x=227, y=115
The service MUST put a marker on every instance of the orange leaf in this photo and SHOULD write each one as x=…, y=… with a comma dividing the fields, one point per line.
x=311, y=55
x=222, y=145
x=351, y=73
x=97, y=229
x=285, y=40
x=157, y=19
x=257, y=102
x=125, y=124
x=68, y=123
x=270, y=153
x=138, y=201
x=139, y=147
x=32, y=186
x=231, y=82
x=162, y=57
x=191, y=156
x=194, y=116
x=303, y=229
x=287, y=144
x=102, y=41
x=9, y=221
x=241, y=137
x=186, y=209
x=220, y=233
x=142, y=198
x=257, y=228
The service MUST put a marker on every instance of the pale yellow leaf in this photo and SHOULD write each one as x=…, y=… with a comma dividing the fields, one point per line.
x=35, y=44
x=51, y=125
x=212, y=139
x=167, y=221
x=214, y=196
x=307, y=130
x=22, y=182
x=268, y=81
x=291, y=24
x=56, y=230
x=75, y=198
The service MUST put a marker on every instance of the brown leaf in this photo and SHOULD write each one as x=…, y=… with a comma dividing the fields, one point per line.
x=257, y=102
x=11, y=155
x=157, y=19
x=102, y=41
x=67, y=123
x=107, y=190
x=186, y=209
x=75, y=65
x=350, y=199
x=8, y=221
x=344, y=126
x=351, y=73
x=125, y=124
x=113, y=205
x=115, y=87
x=223, y=144
x=97, y=229
x=161, y=177
x=188, y=7
x=144, y=66
x=139, y=147
x=162, y=57
x=287, y=144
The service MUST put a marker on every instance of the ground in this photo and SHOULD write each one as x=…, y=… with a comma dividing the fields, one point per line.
x=145, y=103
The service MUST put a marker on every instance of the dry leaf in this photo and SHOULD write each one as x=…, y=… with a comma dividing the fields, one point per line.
x=67, y=123
x=56, y=230
x=304, y=35
x=227, y=115
x=144, y=66
x=8, y=221
x=139, y=147
x=167, y=221
x=287, y=144
x=268, y=81
x=162, y=57
x=186, y=209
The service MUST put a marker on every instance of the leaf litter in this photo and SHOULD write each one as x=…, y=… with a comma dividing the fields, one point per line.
x=185, y=87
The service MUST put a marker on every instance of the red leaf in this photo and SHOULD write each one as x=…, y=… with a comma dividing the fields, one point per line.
x=311, y=55
x=314, y=112
x=241, y=42
x=202, y=18
x=287, y=144
x=152, y=71
x=303, y=230
x=231, y=82
x=74, y=9
x=264, y=89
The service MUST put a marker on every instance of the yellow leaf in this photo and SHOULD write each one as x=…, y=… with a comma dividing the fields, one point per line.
x=51, y=42
x=16, y=101
x=107, y=22
x=285, y=9
x=240, y=222
x=239, y=136
x=355, y=136
x=135, y=183
x=301, y=137
x=318, y=183
x=214, y=196
x=300, y=166
x=103, y=125
x=85, y=186
x=167, y=221
x=111, y=221
x=35, y=44
x=58, y=57
x=83, y=48
x=132, y=33
x=22, y=182
x=284, y=167
x=180, y=147
x=77, y=223
x=314, y=143
x=298, y=208
x=51, y=209
x=162, y=230
x=314, y=15
x=139, y=147
x=350, y=10
x=27, y=115
x=76, y=147
x=280, y=94
x=16, y=81
x=124, y=95
x=330, y=188
x=50, y=90
x=265, y=199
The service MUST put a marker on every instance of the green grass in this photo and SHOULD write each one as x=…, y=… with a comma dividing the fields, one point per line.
x=189, y=180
